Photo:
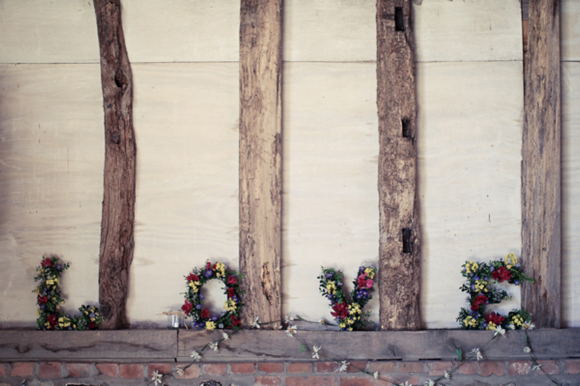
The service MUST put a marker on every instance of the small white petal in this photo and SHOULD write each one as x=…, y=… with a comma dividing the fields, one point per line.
x=447, y=375
x=157, y=378
x=195, y=355
x=226, y=336
x=536, y=367
x=343, y=366
x=376, y=375
x=527, y=349
x=429, y=383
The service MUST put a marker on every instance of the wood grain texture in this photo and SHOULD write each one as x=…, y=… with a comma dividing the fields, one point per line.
x=182, y=30
x=330, y=157
x=251, y=345
x=117, y=244
x=570, y=31
x=570, y=194
x=471, y=30
x=187, y=192
x=327, y=31
x=261, y=158
x=38, y=31
x=82, y=345
x=470, y=124
x=51, y=178
x=400, y=234
x=541, y=182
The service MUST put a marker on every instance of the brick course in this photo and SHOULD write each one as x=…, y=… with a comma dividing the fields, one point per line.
x=49, y=370
x=131, y=371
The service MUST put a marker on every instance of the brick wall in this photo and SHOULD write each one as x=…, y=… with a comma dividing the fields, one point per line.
x=322, y=373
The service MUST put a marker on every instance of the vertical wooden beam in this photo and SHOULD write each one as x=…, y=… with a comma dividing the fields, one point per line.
x=541, y=230
x=260, y=157
x=116, y=250
x=399, y=244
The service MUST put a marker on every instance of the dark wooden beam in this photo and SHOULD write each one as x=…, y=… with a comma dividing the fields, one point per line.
x=541, y=228
x=399, y=244
x=116, y=250
x=261, y=158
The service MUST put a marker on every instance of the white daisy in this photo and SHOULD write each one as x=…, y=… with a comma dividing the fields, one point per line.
x=157, y=378
x=527, y=349
x=343, y=366
x=291, y=330
x=226, y=336
x=477, y=353
x=315, y=351
x=447, y=375
x=195, y=355
x=214, y=346
x=429, y=383
x=499, y=330
x=256, y=323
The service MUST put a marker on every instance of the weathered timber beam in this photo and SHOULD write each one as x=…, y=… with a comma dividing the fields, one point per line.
x=116, y=249
x=399, y=244
x=260, y=158
x=541, y=228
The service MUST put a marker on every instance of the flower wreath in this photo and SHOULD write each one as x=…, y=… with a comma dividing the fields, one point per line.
x=481, y=294
x=49, y=299
x=348, y=315
x=193, y=298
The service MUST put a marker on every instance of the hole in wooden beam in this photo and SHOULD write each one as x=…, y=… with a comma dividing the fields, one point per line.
x=399, y=19
x=407, y=232
x=406, y=125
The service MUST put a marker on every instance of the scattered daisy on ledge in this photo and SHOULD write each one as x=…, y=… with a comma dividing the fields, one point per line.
x=376, y=375
x=477, y=353
x=315, y=350
x=214, y=346
x=429, y=382
x=343, y=366
x=291, y=330
x=256, y=323
x=195, y=355
x=157, y=378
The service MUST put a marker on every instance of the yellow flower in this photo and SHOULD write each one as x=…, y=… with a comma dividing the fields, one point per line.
x=49, y=282
x=510, y=260
x=57, y=281
x=209, y=325
x=370, y=272
x=331, y=287
x=38, y=311
x=350, y=328
x=470, y=321
x=194, y=285
x=349, y=321
x=491, y=326
x=220, y=269
x=354, y=309
x=230, y=305
x=481, y=285
x=342, y=325
x=518, y=320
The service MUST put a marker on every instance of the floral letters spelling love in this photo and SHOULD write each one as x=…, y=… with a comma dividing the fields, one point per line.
x=481, y=294
x=348, y=315
x=49, y=299
x=193, y=298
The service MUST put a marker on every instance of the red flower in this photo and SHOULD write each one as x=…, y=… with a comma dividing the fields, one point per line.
x=479, y=300
x=361, y=281
x=232, y=280
x=46, y=262
x=42, y=299
x=495, y=319
x=92, y=326
x=208, y=266
x=370, y=283
x=186, y=307
x=52, y=320
x=192, y=277
x=205, y=313
x=231, y=292
x=501, y=274
x=340, y=310
x=235, y=320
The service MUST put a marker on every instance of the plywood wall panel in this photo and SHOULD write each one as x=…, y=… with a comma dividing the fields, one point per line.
x=51, y=163
x=185, y=117
x=327, y=30
x=570, y=194
x=471, y=30
x=182, y=30
x=330, y=197
x=570, y=31
x=39, y=31
x=470, y=130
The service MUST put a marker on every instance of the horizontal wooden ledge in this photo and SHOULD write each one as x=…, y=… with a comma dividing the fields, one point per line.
x=257, y=345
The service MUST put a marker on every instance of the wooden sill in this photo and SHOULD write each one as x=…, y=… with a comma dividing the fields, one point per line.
x=257, y=345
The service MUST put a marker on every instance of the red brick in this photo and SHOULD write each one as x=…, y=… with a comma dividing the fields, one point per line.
x=327, y=367
x=359, y=381
x=411, y=367
x=439, y=368
x=131, y=370
x=22, y=369
x=519, y=367
x=548, y=367
x=161, y=368
x=312, y=381
x=243, y=368
x=79, y=370
x=214, y=368
x=109, y=369
x=469, y=368
x=356, y=367
x=268, y=380
x=49, y=370
x=383, y=367
x=492, y=368
x=573, y=366
x=299, y=367
x=3, y=370
x=190, y=373
x=271, y=367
